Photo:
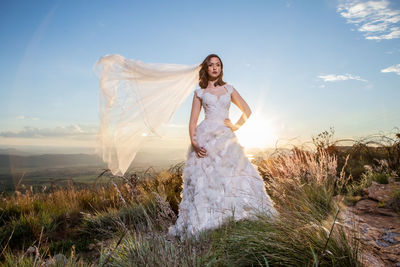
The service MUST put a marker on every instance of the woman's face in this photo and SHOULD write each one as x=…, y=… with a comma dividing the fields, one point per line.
x=214, y=68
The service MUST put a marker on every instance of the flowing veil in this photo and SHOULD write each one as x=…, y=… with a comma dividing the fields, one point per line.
x=137, y=99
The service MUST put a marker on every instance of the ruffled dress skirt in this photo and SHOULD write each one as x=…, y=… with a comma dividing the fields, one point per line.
x=224, y=184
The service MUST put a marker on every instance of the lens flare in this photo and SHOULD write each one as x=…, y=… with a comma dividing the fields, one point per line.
x=257, y=132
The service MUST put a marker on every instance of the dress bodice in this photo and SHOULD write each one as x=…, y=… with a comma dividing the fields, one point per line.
x=216, y=108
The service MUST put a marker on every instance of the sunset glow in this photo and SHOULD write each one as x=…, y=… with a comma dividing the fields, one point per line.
x=297, y=79
x=257, y=132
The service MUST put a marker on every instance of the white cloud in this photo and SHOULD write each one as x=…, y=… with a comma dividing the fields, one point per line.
x=61, y=131
x=394, y=68
x=23, y=117
x=335, y=77
x=375, y=18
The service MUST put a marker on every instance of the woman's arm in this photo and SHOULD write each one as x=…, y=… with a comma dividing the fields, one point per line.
x=194, y=116
x=243, y=106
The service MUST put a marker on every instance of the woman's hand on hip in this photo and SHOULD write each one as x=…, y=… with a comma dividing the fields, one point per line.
x=200, y=151
x=229, y=124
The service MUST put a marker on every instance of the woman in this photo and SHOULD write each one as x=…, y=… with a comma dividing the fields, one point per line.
x=137, y=99
x=219, y=180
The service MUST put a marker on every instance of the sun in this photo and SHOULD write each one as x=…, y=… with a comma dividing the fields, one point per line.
x=257, y=132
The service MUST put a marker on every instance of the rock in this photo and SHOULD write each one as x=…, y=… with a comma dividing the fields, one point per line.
x=386, y=212
x=48, y=263
x=368, y=259
x=381, y=192
x=391, y=237
x=379, y=232
x=391, y=253
x=57, y=260
x=60, y=259
x=31, y=251
x=366, y=206
x=371, y=214
x=381, y=243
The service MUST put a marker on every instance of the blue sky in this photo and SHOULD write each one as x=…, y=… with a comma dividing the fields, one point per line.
x=302, y=66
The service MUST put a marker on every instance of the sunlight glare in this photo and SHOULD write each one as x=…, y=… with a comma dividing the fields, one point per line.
x=257, y=132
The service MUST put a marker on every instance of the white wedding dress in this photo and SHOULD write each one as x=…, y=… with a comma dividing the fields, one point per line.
x=224, y=183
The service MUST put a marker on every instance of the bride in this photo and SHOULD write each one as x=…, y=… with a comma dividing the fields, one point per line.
x=138, y=99
x=219, y=180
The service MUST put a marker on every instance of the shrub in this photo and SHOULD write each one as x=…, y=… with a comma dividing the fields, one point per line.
x=357, y=188
x=381, y=178
x=394, y=202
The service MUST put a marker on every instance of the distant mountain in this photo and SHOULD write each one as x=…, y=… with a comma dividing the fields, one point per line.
x=13, y=151
x=15, y=159
x=49, y=160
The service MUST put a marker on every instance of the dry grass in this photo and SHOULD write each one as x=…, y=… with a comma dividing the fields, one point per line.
x=129, y=219
x=306, y=232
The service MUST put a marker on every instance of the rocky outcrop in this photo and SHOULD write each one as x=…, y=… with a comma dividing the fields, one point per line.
x=377, y=226
x=382, y=192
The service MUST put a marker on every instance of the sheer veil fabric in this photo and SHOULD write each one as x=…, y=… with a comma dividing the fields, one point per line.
x=137, y=99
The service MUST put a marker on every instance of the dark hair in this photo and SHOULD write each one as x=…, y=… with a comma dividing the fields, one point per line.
x=203, y=75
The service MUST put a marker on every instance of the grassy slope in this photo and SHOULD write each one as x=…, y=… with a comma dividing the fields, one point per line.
x=125, y=224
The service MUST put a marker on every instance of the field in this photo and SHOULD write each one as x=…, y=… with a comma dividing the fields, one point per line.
x=123, y=222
